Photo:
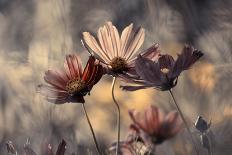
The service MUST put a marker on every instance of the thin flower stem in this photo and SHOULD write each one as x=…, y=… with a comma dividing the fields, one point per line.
x=91, y=128
x=185, y=122
x=118, y=119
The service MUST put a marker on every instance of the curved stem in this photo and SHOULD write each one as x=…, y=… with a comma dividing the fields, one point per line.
x=91, y=128
x=118, y=119
x=185, y=122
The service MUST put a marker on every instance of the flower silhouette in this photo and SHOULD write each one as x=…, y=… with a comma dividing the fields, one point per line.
x=118, y=53
x=72, y=83
x=154, y=127
x=162, y=73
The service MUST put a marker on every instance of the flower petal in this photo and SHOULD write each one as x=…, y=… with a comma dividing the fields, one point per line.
x=148, y=70
x=125, y=38
x=77, y=66
x=93, y=44
x=186, y=59
x=138, y=119
x=172, y=125
x=135, y=43
x=55, y=79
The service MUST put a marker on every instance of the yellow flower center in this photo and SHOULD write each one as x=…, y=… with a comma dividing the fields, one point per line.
x=165, y=70
x=118, y=65
x=75, y=86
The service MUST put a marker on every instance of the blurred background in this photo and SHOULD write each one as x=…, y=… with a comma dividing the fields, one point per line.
x=36, y=35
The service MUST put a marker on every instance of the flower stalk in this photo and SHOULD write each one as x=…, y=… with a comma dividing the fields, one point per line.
x=119, y=117
x=91, y=128
x=184, y=120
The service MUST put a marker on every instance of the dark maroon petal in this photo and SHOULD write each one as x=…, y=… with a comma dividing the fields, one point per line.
x=148, y=70
x=186, y=59
x=133, y=88
x=61, y=148
x=151, y=53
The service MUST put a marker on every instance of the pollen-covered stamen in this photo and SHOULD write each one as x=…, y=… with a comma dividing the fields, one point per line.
x=165, y=70
x=118, y=65
x=75, y=86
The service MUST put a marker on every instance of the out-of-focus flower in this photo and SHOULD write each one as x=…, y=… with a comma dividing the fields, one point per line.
x=27, y=150
x=61, y=148
x=162, y=73
x=124, y=149
x=72, y=83
x=10, y=148
x=154, y=126
x=202, y=125
x=119, y=53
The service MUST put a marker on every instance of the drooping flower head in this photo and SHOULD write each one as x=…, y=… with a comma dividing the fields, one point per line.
x=118, y=53
x=72, y=83
x=162, y=73
x=154, y=127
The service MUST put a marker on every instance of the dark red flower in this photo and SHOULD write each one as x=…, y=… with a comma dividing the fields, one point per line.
x=118, y=53
x=72, y=83
x=154, y=126
x=162, y=73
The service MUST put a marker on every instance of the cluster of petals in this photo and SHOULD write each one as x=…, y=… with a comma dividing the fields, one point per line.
x=73, y=82
x=152, y=127
x=162, y=73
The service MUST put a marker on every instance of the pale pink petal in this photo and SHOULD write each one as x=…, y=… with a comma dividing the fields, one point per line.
x=135, y=43
x=92, y=43
x=125, y=38
x=77, y=65
x=54, y=79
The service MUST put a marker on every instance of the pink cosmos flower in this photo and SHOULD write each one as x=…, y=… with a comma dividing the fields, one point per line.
x=119, y=53
x=72, y=83
x=154, y=127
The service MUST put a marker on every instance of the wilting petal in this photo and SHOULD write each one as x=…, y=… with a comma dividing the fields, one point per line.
x=133, y=88
x=186, y=59
x=151, y=53
x=172, y=125
x=148, y=70
x=135, y=43
x=92, y=43
x=61, y=148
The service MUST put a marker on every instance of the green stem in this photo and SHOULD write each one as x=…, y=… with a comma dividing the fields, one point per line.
x=185, y=122
x=118, y=119
x=91, y=128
